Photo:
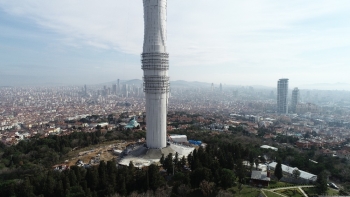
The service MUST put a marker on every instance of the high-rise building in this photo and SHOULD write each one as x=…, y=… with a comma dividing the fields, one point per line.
x=114, y=88
x=126, y=90
x=85, y=90
x=155, y=67
x=118, y=87
x=235, y=93
x=220, y=87
x=295, y=99
x=282, y=92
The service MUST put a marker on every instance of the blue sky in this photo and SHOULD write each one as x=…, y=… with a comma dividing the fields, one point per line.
x=253, y=42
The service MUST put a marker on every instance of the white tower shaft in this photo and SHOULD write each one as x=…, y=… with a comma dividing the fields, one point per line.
x=155, y=67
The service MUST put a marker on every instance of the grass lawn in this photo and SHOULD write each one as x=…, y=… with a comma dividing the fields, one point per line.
x=270, y=194
x=332, y=192
x=245, y=192
x=312, y=191
x=290, y=192
x=274, y=184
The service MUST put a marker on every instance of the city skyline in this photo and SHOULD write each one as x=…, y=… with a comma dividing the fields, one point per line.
x=87, y=107
x=305, y=41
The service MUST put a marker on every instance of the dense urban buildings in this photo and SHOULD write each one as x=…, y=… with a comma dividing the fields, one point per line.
x=29, y=113
x=282, y=93
x=155, y=66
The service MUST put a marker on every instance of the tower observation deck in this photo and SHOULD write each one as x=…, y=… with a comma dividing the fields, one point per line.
x=155, y=65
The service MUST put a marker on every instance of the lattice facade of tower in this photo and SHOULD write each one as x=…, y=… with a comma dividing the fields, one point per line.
x=155, y=65
x=282, y=92
x=295, y=99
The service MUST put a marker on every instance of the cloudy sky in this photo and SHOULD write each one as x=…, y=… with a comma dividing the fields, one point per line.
x=250, y=42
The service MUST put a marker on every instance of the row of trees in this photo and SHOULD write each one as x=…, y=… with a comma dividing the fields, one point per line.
x=102, y=180
x=210, y=169
x=216, y=167
x=39, y=153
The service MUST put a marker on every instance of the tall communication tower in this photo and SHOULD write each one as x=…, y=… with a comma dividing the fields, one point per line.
x=155, y=65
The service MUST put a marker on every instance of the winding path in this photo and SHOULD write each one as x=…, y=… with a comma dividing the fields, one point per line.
x=283, y=188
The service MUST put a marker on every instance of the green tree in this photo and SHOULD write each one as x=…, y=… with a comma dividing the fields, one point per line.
x=131, y=169
x=102, y=174
x=49, y=185
x=227, y=178
x=181, y=178
x=111, y=173
x=8, y=188
x=123, y=190
x=240, y=171
x=59, y=191
x=72, y=178
x=25, y=189
x=154, y=177
x=162, y=159
x=183, y=161
x=92, y=178
x=168, y=164
x=296, y=173
x=176, y=159
x=198, y=175
x=321, y=183
x=206, y=187
x=278, y=170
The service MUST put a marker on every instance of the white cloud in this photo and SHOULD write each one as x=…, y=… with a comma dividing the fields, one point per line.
x=252, y=37
x=96, y=23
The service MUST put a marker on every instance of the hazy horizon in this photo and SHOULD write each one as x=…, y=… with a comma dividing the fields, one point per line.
x=337, y=87
x=232, y=42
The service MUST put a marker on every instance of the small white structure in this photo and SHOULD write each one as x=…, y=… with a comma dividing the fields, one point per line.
x=102, y=124
x=117, y=152
x=178, y=138
x=269, y=147
x=260, y=167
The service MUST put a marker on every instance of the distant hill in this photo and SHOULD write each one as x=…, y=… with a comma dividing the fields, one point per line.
x=326, y=86
x=129, y=82
x=133, y=81
x=198, y=84
x=178, y=83
x=192, y=84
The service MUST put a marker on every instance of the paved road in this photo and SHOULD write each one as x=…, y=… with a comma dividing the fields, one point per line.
x=279, y=194
x=283, y=188
x=302, y=191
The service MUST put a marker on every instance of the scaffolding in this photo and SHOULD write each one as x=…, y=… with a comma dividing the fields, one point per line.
x=156, y=84
x=155, y=61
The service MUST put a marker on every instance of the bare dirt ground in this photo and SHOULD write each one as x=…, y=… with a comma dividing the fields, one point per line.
x=103, y=151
